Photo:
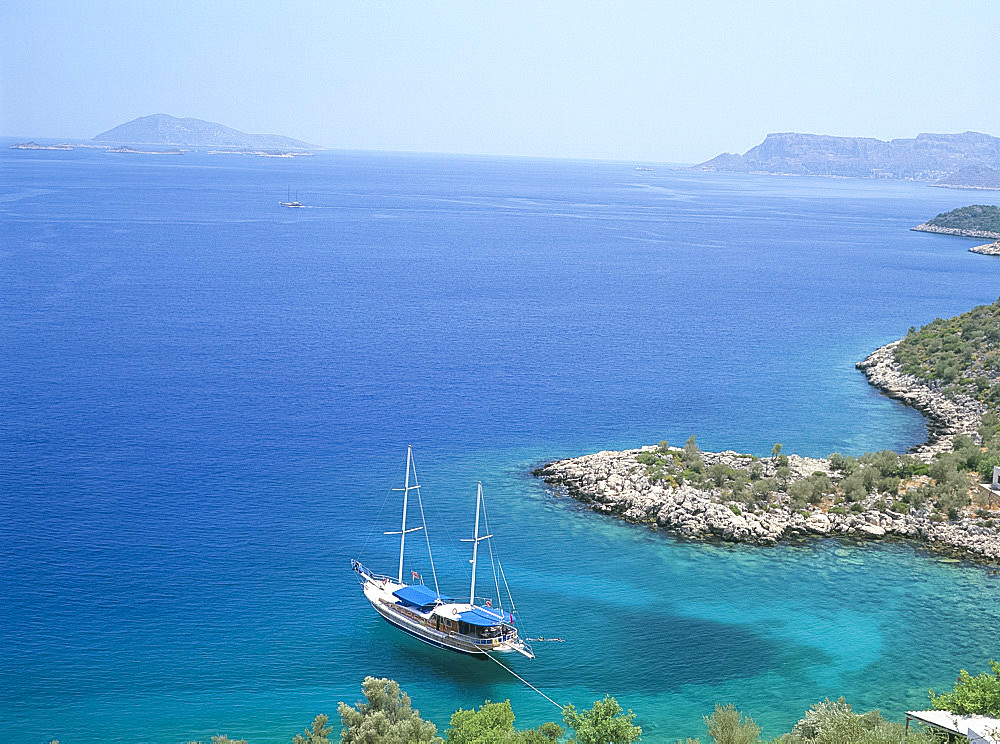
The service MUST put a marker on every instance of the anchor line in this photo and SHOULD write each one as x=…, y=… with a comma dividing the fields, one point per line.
x=560, y=707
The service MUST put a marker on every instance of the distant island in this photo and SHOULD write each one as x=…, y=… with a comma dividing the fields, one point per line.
x=161, y=129
x=975, y=221
x=967, y=160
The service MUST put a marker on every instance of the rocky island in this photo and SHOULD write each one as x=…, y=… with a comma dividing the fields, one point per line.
x=967, y=160
x=161, y=129
x=975, y=221
x=949, y=370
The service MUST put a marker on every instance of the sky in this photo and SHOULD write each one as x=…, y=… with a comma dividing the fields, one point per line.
x=653, y=81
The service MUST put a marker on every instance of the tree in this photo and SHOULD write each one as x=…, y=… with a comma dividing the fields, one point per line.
x=728, y=726
x=972, y=696
x=835, y=723
x=493, y=723
x=490, y=723
x=316, y=735
x=605, y=723
x=387, y=718
x=776, y=450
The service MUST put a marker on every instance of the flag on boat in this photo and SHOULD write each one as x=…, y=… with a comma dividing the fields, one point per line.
x=416, y=576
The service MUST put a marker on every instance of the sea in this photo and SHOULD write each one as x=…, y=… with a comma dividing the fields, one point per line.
x=206, y=400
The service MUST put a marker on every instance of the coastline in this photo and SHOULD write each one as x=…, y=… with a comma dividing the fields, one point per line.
x=960, y=232
x=987, y=249
x=614, y=483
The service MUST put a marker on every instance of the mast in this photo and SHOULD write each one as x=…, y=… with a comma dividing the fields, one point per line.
x=475, y=544
x=476, y=539
x=406, y=492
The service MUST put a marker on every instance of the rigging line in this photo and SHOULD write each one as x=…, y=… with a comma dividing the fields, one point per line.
x=371, y=527
x=489, y=544
x=420, y=501
x=505, y=586
x=560, y=707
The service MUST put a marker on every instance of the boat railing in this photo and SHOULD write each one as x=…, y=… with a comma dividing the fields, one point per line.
x=367, y=573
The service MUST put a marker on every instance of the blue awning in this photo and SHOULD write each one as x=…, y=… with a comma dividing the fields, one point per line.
x=481, y=616
x=418, y=595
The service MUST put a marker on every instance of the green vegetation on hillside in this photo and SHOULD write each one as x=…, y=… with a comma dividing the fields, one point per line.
x=884, y=480
x=975, y=217
x=962, y=353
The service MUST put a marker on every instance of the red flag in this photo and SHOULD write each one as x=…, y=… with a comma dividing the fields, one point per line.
x=415, y=575
x=489, y=602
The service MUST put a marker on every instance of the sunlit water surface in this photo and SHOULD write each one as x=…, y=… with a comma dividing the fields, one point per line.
x=205, y=397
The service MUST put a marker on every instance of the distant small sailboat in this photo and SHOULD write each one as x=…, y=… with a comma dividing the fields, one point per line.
x=289, y=202
x=416, y=609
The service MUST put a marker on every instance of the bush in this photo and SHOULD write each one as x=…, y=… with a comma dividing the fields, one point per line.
x=972, y=696
x=728, y=726
x=605, y=723
x=836, y=723
x=386, y=717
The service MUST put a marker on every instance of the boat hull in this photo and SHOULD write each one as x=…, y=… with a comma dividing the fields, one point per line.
x=416, y=632
x=379, y=591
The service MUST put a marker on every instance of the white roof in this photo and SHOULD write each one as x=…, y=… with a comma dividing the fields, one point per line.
x=978, y=729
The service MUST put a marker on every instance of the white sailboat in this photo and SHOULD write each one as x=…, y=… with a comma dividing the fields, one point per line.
x=466, y=627
x=289, y=202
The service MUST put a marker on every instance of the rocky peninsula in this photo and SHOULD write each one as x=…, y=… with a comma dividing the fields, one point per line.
x=989, y=249
x=736, y=497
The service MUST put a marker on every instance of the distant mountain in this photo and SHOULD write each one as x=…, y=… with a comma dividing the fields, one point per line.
x=954, y=159
x=161, y=129
x=973, y=177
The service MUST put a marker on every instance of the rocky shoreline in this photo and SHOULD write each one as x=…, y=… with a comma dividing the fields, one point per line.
x=948, y=417
x=989, y=249
x=615, y=483
x=927, y=227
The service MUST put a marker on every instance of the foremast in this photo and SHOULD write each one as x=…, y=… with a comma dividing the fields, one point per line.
x=410, y=466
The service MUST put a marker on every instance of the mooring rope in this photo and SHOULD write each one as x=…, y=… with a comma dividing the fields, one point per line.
x=560, y=707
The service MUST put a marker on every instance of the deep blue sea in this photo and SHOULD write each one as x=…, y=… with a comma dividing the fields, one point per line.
x=205, y=399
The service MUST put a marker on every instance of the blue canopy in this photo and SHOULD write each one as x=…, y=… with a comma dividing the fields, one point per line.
x=418, y=595
x=481, y=616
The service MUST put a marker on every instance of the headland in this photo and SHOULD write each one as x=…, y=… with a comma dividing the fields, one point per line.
x=932, y=494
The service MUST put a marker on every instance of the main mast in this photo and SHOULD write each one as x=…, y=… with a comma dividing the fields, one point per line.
x=476, y=539
x=406, y=494
x=402, y=532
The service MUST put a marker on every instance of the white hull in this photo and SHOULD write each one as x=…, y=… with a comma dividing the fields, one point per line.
x=430, y=627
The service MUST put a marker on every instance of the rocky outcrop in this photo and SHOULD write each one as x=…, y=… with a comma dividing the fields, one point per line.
x=948, y=416
x=961, y=232
x=990, y=249
x=615, y=483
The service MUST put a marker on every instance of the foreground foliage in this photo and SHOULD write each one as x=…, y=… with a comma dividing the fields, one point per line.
x=387, y=717
x=605, y=723
x=824, y=723
x=493, y=723
x=973, y=696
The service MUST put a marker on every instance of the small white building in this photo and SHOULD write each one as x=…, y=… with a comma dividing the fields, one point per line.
x=977, y=729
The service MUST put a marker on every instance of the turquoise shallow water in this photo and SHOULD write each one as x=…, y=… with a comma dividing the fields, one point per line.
x=204, y=399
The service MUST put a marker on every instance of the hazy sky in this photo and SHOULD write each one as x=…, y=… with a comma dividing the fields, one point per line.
x=665, y=81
